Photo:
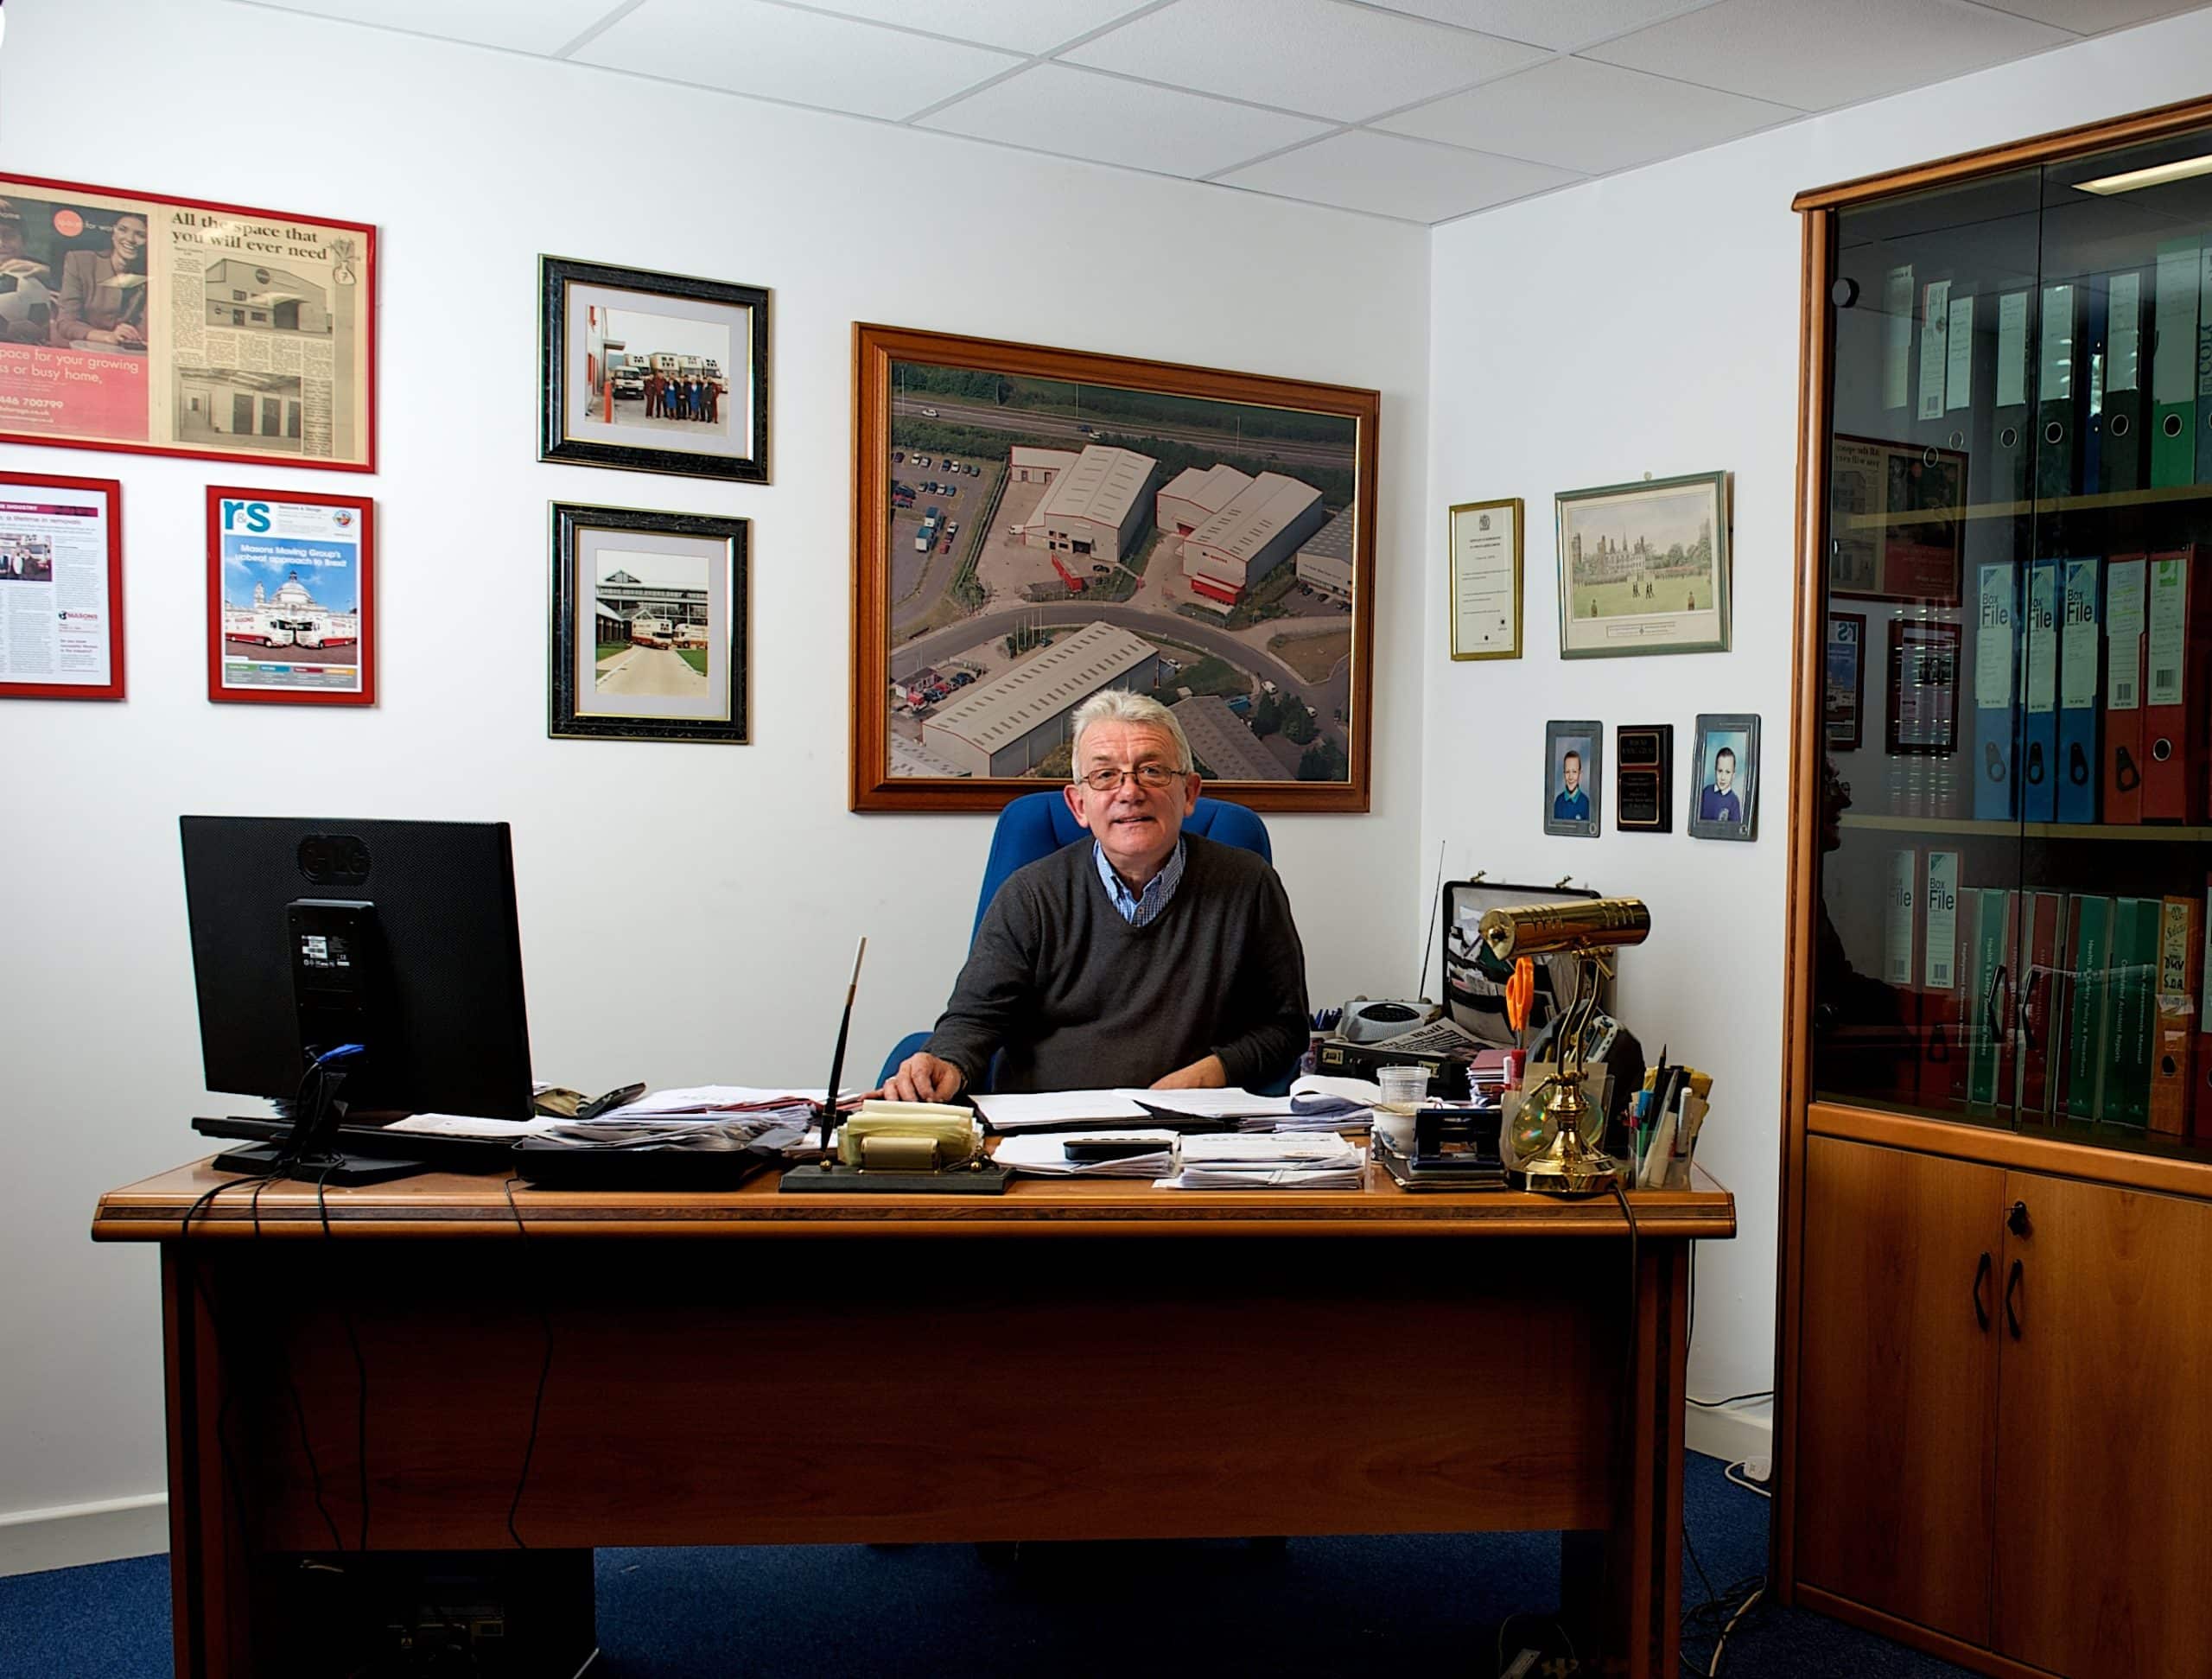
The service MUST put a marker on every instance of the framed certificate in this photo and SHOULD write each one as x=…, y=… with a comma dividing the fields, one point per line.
x=61, y=587
x=1484, y=541
x=1844, y=700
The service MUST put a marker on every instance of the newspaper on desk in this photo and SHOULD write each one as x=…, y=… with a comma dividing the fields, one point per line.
x=700, y=1119
x=1282, y=1161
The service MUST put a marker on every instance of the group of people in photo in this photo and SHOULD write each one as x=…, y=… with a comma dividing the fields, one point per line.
x=682, y=398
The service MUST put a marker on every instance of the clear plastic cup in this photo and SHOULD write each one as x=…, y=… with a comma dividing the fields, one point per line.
x=1403, y=1088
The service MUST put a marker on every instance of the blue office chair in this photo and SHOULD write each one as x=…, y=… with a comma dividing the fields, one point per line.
x=1037, y=824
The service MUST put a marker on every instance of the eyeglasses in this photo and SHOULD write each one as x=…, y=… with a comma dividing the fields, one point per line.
x=1151, y=777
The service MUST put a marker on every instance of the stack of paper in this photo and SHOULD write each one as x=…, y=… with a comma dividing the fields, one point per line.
x=1058, y=1109
x=1230, y=1104
x=1282, y=1162
x=697, y=1099
x=1046, y=1154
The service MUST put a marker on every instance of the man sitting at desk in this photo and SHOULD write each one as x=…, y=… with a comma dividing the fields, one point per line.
x=1141, y=956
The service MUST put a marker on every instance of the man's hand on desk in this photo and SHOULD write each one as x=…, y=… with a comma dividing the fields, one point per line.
x=1206, y=1075
x=923, y=1077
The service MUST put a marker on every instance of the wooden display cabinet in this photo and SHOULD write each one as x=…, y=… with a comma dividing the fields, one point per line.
x=1994, y=1434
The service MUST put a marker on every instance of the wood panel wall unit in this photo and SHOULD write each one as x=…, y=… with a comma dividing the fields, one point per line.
x=1993, y=1361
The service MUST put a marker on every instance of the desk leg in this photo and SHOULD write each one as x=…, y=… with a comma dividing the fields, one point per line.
x=1623, y=1587
x=208, y=1578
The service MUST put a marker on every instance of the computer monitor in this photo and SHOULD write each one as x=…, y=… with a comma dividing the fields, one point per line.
x=399, y=937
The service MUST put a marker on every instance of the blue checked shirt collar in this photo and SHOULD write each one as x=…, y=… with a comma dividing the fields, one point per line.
x=1140, y=908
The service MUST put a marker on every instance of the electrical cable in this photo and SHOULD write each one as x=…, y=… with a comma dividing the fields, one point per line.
x=1733, y=1399
x=1531, y=1615
x=1745, y=1481
x=360, y=1367
x=544, y=1372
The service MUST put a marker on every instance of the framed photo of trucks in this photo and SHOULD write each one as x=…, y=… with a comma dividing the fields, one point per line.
x=1033, y=526
x=291, y=597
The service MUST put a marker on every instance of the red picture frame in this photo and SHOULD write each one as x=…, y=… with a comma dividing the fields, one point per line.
x=112, y=689
x=28, y=188
x=316, y=625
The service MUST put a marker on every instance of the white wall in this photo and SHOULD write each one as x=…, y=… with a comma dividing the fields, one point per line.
x=471, y=162
x=1649, y=324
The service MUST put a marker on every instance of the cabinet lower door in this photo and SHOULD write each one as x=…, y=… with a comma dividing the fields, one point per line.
x=1898, y=1382
x=2104, y=1508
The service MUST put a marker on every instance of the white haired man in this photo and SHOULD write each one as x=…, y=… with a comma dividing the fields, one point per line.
x=1141, y=956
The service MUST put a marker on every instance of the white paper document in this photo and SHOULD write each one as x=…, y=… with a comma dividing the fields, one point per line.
x=1031, y=1110
x=716, y=1098
x=1210, y=1104
x=1045, y=1155
x=1283, y=1160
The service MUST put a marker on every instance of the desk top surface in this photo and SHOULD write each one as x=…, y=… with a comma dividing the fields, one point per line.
x=452, y=1205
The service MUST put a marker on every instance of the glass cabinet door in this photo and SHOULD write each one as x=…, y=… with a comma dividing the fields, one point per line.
x=2018, y=602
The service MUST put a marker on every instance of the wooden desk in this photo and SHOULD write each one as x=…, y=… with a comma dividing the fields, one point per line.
x=1075, y=1360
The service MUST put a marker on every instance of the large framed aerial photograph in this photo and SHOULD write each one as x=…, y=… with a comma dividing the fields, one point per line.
x=291, y=598
x=653, y=372
x=649, y=626
x=174, y=326
x=1643, y=568
x=1033, y=526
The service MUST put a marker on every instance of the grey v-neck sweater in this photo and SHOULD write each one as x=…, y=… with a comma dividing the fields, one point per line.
x=1080, y=1000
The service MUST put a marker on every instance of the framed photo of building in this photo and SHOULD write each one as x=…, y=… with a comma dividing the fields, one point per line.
x=1574, y=778
x=653, y=372
x=291, y=598
x=60, y=587
x=649, y=626
x=1724, y=777
x=1032, y=525
x=174, y=326
x=1643, y=568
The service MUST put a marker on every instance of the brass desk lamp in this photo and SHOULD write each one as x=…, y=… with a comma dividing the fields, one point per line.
x=1585, y=931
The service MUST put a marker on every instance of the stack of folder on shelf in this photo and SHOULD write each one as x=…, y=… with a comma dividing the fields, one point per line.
x=2062, y=1005
x=1282, y=1162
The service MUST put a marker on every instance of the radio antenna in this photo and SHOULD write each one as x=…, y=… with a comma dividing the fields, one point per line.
x=1435, y=896
x=837, y=1060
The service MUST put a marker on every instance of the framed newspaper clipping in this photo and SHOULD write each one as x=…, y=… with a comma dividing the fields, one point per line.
x=172, y=326
x=61, y=587
x=290, y=598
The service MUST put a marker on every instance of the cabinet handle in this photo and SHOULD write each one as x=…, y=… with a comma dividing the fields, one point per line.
x=2028, y=1007
x=2000, y=985
x=1980, y=1282
x=2012, y=1294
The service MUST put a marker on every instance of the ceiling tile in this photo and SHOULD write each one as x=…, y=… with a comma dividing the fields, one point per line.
x=528, y=26
x=1591, y=117
x=1816, y=55
x=1340, y=61
x=2094, y=16
x=801, y=56
x=1109, y=120
x=1026, y=26
x=1363, y=170
x=1557, y=23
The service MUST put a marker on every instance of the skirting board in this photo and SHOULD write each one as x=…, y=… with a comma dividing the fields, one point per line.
x=1732, y=1435
x=33, y=1540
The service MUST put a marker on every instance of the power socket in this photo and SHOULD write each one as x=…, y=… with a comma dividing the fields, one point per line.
x=1522, y=1665
x=1758, y=1469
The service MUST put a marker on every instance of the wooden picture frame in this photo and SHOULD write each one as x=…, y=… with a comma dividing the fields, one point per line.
x=177, y=344
x=1060, y=464
x=664, y=594
x=1628, y=552
x=52, y=529
x=1485, y=541
x=292, y=640
x=698, y=407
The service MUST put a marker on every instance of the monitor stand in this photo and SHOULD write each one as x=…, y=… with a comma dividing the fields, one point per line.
x=349, y=1170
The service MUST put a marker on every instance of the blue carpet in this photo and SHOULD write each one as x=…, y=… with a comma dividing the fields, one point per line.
x=1378, y=1605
